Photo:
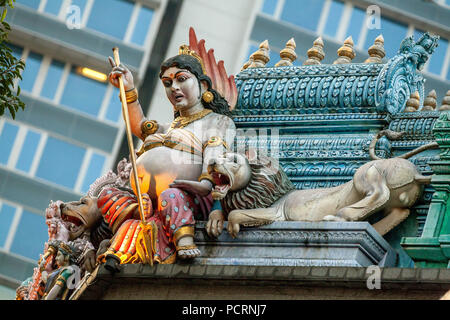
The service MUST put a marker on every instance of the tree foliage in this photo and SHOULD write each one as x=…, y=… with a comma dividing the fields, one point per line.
x=10, y=67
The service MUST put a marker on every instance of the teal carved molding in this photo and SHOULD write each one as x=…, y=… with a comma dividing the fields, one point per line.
x=399, y=77
x=344, y=88
x=318, y=120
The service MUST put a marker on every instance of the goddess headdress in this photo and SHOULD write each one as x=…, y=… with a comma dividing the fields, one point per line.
x=221, y=82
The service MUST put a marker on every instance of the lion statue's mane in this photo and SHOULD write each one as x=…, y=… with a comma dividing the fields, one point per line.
x=268, y=183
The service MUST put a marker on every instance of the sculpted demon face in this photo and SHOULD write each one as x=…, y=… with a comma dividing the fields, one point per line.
x=231, y=172
x=80, y=215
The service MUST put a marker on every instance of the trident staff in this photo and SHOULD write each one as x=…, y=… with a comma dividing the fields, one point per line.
x=129, y=135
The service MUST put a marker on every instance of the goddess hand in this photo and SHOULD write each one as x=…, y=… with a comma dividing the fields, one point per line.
x=202, y=188
x=118, y=71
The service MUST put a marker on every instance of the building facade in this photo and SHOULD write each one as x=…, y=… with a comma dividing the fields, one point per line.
x=71, y=127
x=72, y=131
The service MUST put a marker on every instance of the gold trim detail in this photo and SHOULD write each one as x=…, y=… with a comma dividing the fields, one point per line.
x=207, y=96
x=184, y=49
x=169, y=144
x=206, y=176
x=131, y=95
x=169, y=260
x=181, y=122
x=149, y=127
x=182, y=232
x=188, y=247
x=214, y=142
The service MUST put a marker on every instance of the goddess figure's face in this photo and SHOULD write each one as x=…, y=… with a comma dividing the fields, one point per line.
x=181, y=87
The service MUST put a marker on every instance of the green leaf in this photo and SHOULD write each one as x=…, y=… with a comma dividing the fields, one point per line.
x=4, y=14
x=12, y=111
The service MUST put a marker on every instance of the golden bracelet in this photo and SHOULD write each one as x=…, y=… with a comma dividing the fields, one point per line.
x=206, y=176
x=131, y=95
x=149, y=127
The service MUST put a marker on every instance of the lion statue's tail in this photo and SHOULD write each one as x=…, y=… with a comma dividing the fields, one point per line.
x=393, y=135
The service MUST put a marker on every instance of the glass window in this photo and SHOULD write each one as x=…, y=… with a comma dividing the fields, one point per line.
x=393, y=33
x=355, y=24
x=30, y=3
x=60, y=162
x=269, y=6
x=80, y=4
x=334, y=17
x=142, y=26
x=28, y=150
x=83, y=94
x=6, y=216
x=53, y=7
x=304, y=13
x=274, y=55
x=7, y=138
x=16, y=50
x=436, y=60
x=114, y=112
x=31, y=235
x=252, y=48
x=111, y=17
x=94, y=171
x=52, y=79
x=29, y=75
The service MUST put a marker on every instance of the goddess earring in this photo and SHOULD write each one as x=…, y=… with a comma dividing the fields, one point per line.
x=207, y=97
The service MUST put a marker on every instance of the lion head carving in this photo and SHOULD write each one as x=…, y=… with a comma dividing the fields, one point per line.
x=247, y=182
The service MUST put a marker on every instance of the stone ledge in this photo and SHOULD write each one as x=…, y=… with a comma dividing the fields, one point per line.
x=417, y=280
x=278, y=273
x=292, y=243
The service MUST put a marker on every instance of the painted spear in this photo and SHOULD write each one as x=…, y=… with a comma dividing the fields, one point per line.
x=129, y=135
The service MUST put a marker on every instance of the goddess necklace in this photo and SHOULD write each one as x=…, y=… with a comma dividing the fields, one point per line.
x=181, y=122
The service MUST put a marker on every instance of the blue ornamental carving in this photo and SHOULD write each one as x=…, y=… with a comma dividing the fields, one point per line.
x=345, y=88
x=326, y=115
x=399, y=77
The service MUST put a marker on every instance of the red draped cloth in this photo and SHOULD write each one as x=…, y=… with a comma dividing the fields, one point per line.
x=174, y=217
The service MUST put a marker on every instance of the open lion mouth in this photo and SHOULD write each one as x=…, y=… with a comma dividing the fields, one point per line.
x=222, y=182
x=71, y=219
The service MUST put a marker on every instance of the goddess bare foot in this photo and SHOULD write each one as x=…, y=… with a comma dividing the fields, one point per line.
x=186, y=248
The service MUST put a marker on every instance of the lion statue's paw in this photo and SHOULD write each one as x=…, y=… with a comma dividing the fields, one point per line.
x=331, y=217
x=233, y=228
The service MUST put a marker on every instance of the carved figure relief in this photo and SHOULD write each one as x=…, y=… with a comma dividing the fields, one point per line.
x=261, y=193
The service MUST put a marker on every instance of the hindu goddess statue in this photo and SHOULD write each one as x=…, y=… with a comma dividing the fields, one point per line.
x=172, y=163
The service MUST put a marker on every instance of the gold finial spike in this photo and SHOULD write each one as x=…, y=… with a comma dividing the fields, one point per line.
x=315, y=54
x=261, y=56
x=429, y=104
x=346, y=53
x=445, y=102
x=287, y=55
x=376, y=51
x=247, y=64
x=413, y=102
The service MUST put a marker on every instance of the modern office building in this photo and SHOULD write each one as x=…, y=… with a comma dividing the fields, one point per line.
x=71, y=127
x=72, y=131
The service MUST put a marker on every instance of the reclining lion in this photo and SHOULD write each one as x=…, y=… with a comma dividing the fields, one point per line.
x=258, y=194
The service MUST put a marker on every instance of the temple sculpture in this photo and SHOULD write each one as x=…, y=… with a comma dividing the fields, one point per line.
x=280, y=165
